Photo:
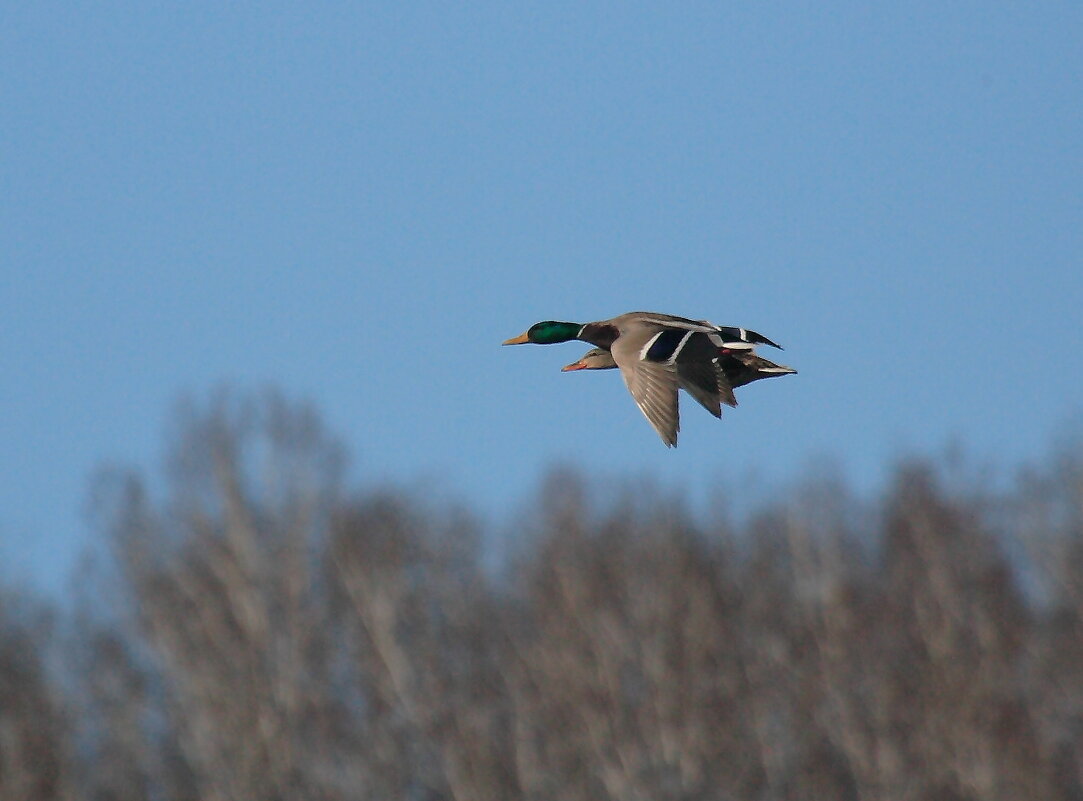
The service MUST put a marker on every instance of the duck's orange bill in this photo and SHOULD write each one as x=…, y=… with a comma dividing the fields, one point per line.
x=522, y=339
x=573, y=366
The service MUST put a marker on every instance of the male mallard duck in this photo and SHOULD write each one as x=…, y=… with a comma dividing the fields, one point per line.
x=656, y=353
x=740, y=367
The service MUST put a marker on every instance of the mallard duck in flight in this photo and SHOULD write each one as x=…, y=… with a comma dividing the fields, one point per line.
x=657, y=353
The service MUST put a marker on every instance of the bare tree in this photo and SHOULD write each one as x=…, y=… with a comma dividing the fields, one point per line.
x=223, y=586
x=33, y=748
x=261, y=632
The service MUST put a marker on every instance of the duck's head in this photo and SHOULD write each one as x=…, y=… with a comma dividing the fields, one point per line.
x=548, y=332
x=593, y=359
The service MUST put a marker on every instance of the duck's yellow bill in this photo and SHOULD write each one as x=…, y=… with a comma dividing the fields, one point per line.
x=522, y=339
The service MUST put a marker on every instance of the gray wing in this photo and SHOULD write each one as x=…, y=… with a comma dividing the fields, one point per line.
x=702, y=376
x=653, y=386
x=707, y=384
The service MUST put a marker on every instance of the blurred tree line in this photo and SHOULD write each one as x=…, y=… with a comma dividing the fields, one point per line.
x=258, y=631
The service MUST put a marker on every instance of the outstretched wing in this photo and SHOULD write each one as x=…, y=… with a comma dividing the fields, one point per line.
x=653, y=385
x=707, y=385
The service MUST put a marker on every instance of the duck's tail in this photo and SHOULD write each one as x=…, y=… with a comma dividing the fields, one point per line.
x=741, y=338
x=742, y=367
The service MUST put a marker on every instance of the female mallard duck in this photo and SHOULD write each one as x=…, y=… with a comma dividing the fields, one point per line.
x=656, y=354
x=740, y=367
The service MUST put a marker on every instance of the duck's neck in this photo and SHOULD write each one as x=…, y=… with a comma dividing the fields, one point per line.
x=601, y=334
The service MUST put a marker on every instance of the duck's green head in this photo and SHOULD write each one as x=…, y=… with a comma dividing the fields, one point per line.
x=548, y=332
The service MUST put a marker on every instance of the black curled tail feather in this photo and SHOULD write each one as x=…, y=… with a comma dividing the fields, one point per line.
x=734, y=335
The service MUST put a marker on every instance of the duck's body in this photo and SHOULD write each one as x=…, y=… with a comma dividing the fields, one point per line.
x=739, y=367
x=657, y=353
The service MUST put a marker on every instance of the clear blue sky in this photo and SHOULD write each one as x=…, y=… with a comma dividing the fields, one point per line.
x=358, y=202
